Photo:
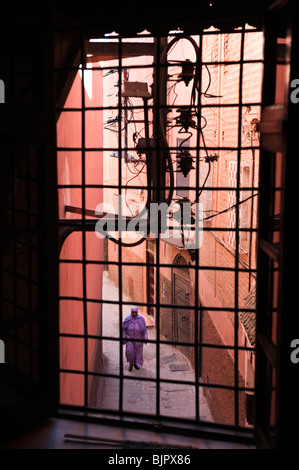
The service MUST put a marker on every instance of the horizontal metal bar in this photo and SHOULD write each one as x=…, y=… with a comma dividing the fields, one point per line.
x=155, y=341
x=19, y=276
x=11, y=236
x=156, y=381
x=158, y=423
x=158, y=147
x=155, y=265
x=161, y=305
x=110, y=50
x=93, y=33
x=17, y=341
x=91, y=439
x=19, y=211
x=15, y=304
x=80, y=210
x=114, y=228
x=189, y=188
x=154, y=65
x=153, y=107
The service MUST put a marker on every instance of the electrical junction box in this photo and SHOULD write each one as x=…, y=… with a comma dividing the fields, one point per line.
x=145, y=145
x=136, y=90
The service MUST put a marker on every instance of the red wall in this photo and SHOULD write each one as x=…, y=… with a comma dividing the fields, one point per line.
x=69, y=135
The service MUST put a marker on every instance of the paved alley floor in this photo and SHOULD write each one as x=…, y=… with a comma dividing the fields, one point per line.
x=176, y=400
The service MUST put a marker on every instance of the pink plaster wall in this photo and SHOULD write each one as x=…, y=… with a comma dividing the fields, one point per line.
x=69, y=134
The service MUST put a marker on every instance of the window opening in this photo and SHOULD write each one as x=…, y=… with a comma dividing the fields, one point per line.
x=158, y=156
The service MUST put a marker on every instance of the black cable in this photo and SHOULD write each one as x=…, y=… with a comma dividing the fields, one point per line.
x=204, y=183
x=209, y=170
x=167, y=154
x=141, y=213
x=194, y=88
x=181, y=131
x=205, y=94
x=229, y=208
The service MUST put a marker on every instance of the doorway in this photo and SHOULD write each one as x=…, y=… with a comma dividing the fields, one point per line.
x=181, y=300
x=150, y=282
x=150, y=277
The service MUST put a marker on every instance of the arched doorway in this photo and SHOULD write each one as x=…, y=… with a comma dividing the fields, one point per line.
x=180, y=300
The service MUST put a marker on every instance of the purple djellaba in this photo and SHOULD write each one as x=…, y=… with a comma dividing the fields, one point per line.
x=134, y=327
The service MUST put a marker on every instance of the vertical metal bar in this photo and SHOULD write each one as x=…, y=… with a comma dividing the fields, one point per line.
x=15, y=290
x=50, y=331
x=271, y=264
x=198, y=316
x=83, y=65
x=160, y=113
x=29, y=248
x=42, y=288
x=156, y=182
x=158, y=165
x=121, y=371
x=237, y=239
x=126, y=77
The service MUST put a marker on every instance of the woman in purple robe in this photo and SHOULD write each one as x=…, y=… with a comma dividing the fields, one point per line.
x=134, y=327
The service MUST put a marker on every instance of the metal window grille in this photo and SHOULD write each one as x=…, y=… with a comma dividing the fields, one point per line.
x=135, y=114
x=28, y=225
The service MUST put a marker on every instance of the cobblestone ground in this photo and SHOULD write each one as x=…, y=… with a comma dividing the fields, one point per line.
x=176, y=400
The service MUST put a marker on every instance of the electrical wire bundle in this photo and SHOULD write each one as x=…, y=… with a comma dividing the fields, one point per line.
x=188, y=117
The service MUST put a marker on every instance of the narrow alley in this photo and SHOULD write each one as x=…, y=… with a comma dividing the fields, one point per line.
x=176, y=400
